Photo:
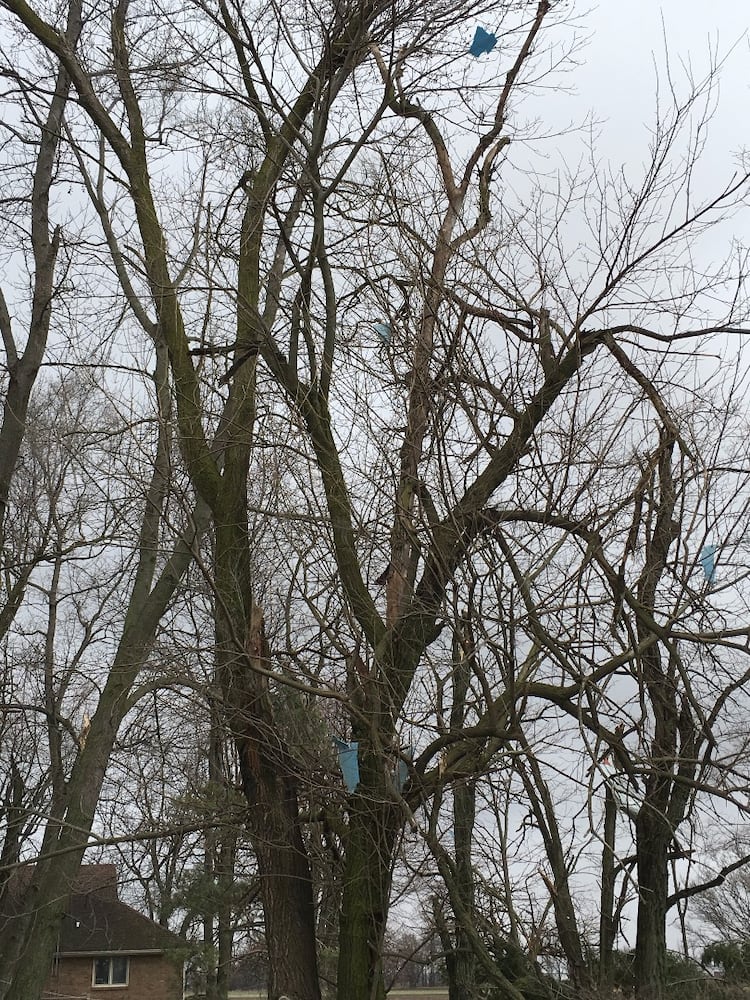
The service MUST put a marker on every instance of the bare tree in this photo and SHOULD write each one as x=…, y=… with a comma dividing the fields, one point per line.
x=429, y=358
x=42, y=128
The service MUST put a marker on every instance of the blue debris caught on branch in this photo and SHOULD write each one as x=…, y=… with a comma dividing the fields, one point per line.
x=348, y=762
x=383, y=331
x=401, y=774
x=484, y=41
x=708, y=561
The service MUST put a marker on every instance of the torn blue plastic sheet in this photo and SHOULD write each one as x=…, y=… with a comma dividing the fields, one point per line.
x=383, y=331
x=708, y=561
x=401, y=775
x=348, y=762
x=484, y=41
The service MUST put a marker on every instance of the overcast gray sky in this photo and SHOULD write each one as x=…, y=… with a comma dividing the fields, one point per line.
x=618, y=75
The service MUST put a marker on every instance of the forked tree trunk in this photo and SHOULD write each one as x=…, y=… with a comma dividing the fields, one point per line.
x=566, y=921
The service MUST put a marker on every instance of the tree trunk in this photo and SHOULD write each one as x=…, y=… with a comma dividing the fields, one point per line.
x=270, y=787
x=607, y=899
x=461, y=964
x=269, y=774
x=36, y=938
x=23, y=368
x=36, y=931
x=562, y=901
x=653, y=829
x=373, y=826
x=286, y=888
x=220, y=853
x=653, y=837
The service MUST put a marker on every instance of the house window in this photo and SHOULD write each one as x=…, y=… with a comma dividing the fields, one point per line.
x=110, y=971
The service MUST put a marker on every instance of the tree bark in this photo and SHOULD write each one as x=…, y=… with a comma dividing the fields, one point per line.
x=373, y=825
x=461, y=963
x=607, y=897
x=653, y=837
x=270, y=786
x=658, y=818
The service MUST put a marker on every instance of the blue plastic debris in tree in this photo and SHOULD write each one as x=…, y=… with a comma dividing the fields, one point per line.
x=484, y=41
x=348, y=762
x=383, y=331
x=708, y=561
x=401, y=775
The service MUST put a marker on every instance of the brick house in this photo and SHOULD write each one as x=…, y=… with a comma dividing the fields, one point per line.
x=107, y=949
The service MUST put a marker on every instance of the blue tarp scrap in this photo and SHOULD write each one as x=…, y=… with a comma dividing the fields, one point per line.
x=484, y=41
x=348, y=762
x=708, y=561
x=383, y=331
x=401, y=774
x=348, y=752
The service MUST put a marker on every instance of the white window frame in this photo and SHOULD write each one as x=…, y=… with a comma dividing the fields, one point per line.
x=110, y=985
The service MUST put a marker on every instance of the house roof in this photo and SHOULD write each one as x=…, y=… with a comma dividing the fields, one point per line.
x=96, y=921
